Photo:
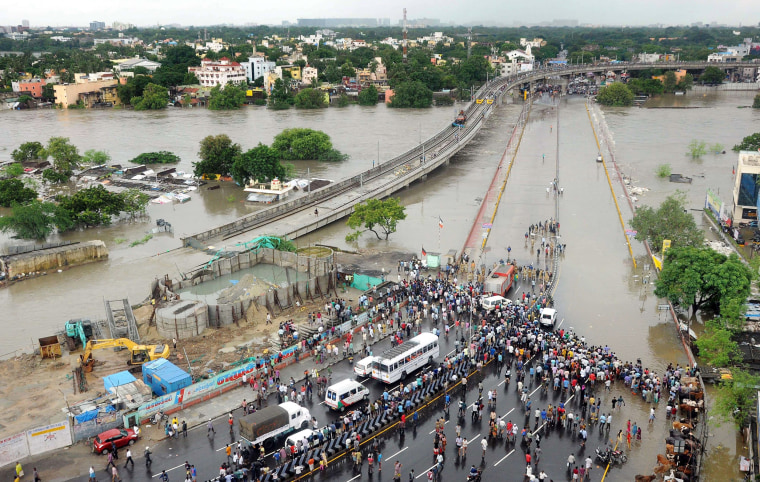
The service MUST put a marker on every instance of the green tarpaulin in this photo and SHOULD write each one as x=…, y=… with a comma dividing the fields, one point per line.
x=364, y=282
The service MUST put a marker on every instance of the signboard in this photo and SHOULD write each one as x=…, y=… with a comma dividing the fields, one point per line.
x=489, y=101
x=749, y=213
x=487, y=225
x=665, y=245
x=49, y=437
x=13, y=448
x=715, y=205
x=479, y=101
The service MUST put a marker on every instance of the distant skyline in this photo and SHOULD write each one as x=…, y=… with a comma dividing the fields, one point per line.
x=487, y=12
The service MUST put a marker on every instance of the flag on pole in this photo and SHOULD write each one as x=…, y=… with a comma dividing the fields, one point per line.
x=440, y=222
x=424, y=253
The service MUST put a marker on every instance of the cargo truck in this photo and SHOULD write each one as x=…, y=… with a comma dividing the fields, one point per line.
x=500, y=281
x=270, y=424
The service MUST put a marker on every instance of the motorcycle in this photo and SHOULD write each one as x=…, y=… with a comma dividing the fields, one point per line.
x=474, y=478
x=611, y=456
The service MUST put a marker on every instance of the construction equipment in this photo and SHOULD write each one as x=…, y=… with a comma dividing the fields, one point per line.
x=76, y=329
x=139, y=353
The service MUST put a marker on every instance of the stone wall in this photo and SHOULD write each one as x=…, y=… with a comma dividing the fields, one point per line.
x=182, y=319
x=55, y=258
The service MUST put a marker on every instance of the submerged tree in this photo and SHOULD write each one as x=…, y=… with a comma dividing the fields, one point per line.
x=380, y=217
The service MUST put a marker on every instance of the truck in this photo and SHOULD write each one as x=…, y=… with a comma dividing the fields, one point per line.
x=461, y=119
x=500, y=280
x=270, y=424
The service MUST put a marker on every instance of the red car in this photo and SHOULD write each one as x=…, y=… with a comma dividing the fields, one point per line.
x=119, y=436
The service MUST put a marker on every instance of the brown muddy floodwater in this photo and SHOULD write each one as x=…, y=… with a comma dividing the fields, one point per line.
x=600, y=294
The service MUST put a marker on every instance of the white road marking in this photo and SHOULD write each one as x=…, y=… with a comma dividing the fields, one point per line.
x=169, y=470
x=431, y=433
x=539, y=428
x=393, y=455
x=560, y=323
x=349, y=480
x=502, y=459
x=505, y=415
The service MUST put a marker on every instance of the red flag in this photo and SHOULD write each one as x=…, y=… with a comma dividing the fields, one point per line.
x=440, y=222
x=424, y=253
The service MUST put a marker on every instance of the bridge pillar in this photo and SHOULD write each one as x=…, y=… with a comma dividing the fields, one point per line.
x=423, y=177
x=446, y=162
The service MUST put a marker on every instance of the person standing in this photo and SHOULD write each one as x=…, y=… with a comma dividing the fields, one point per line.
x=92, y=474
x=589, y=464
x=209, y=428
x=129, y=459
x=36, y=475
x=484, y=444
x=184, y=429
x=651, y=415
x=148, y=461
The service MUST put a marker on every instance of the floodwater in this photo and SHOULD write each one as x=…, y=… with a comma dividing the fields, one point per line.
x=600, y=294
x=269, y=274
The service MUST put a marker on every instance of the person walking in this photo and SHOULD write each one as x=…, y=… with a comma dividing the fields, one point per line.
x=651, y=415
x=210, y=428
x=115, y=474
x=484, y=444
x=92, y=474
x=36, y=475
x=129, y=459
x=164, y=476
x=184, y=429
x=148, y=461
x=110, y=463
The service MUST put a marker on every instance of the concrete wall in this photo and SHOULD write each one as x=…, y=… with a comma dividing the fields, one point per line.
x=182, y=319
x=90, y=428
x=55, y=258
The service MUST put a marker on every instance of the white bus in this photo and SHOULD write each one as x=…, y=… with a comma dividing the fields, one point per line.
x=401, y=360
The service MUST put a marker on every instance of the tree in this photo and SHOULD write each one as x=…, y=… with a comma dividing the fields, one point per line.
x=305, y=144
x=13, y=191
x=154, y=97
x=412, y=94
x=160, y=157
x=716, y=346
x=686, y=83
x=669, y=221
x=712, y=75
x=616, y=95
x=35, y=220
x=28, y=151
x=92, y=156
x=93, y=206
x=48, y=93
x=368, y=96
x=135, y=201
x=380, y=217
x=229, y=98
x=697, y=149
x=670, y=81
x=702, y=278
x=261, y=163
x=12, y=170
x=65, y=155
x=756, y=102
x=347, y=70
x=310, y=99
x=749, y=143
x=217, y=155
x=737, y=397
x=281, y=97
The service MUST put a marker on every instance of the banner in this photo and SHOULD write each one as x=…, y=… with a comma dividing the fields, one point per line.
x=49, y=437
x=13, y=449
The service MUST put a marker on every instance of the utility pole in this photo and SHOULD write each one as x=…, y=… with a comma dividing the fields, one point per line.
x=469, y=41
x=378, y=157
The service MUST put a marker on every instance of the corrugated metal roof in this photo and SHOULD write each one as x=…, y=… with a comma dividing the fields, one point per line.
x=165, y=370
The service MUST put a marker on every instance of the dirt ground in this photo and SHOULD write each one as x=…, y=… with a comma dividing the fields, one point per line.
x=33, y=390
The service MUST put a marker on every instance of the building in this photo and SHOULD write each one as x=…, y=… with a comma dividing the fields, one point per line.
x=536, y=43
x=434, y=39
x=211, y=73
x=87, y=92
x=60, y=38
x=116, y=41
x=257, y=66
x=724, y=57
x=309, y=75
x=32, y=87
x=25, y=23
x=93, y=77
x=746, y=188
x=648, y=58
x=338, y=22
x=130, y=64
x=517, y=61
x=96, y=25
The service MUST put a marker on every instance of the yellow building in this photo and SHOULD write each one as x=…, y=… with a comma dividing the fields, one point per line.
x=89, y=93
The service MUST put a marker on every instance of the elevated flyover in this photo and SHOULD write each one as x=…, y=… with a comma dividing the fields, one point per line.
x=297, y=217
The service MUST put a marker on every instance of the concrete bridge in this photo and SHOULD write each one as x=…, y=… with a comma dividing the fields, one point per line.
x=333, y=202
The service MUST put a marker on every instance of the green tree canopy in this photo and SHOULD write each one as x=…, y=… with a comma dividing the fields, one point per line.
x=669, y=221
x=35, y=220
x=229, y=98
x=716, y=346
x=702, y=278
x=13, y=191
x=217, y=155
x=93, y=206
x=412, y=94
x=281, y=97
x=28, y=151
x=160, y=157
x=616, y=95
x=749, y=143
x=14, y=169
x=135, y=201
x=368, y=96
x=65, y=155
x=756, y=102
x=261, y=163
x=154, y=97
x=310, y=99
x=712, y=75
x=737, y=397
x=93, y=156
x=305, y=144
x=380, y=217
x=641, y=86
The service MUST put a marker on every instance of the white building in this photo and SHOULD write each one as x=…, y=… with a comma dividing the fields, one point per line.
x=131, y=64
x=724, y=57
x=211, y=74
x=257, y=66
x=746, y=194
x=309, y=75
x=434, y=39
x=648, y=58
x=60, y=38
x=536, y=43
x=517, y=61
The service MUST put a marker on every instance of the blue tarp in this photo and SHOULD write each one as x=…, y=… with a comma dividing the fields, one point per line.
x=118, y=379
x=86, y=416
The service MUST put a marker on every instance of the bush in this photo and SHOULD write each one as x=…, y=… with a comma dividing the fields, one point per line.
x=310, y=99
x=259, y=102
x=439, y=101
x=697, y=149
x=368, y=96
x=343, y=101
x=664, y=170
x=54, y=176
x=756, y=103
x=615, y=95
x=160, y=157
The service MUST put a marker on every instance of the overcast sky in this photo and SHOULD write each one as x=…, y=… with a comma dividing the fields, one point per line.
x=197, y=12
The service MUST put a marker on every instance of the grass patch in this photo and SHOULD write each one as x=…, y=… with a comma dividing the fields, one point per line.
x=120, y=240
x=231, y=198
x=143, y=240
x=663, y=170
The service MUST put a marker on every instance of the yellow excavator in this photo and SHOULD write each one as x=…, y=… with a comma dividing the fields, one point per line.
x=139, y=354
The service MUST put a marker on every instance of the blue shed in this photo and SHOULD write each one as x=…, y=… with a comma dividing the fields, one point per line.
x=118, y=379
x=163, y=376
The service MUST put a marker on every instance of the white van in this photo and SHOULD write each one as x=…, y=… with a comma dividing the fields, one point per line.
x=345, y=393
x=492, y=302
x=363, y=367
x=548, y=317
x=309, y=436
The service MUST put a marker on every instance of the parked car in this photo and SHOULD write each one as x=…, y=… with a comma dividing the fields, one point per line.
x=117, y=436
